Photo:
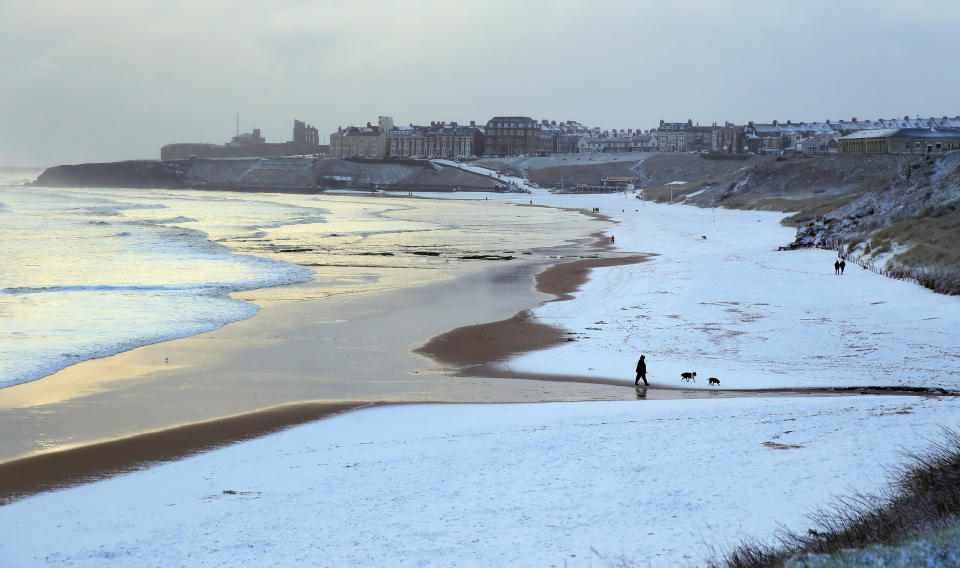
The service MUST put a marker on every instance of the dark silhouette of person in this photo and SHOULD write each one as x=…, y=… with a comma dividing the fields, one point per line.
x=843, y=265
x=836, y=267
x=641, y=371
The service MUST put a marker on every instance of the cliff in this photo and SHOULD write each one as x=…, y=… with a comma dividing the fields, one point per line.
x=297, y=174
x=895, y=215
x=134, y=173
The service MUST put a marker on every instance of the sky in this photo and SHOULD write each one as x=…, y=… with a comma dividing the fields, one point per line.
x=104, y=80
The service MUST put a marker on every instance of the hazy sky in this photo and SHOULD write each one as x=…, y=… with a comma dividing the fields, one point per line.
x=99, y=80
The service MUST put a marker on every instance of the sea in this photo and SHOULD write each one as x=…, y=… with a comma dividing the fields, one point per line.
x=90, y=272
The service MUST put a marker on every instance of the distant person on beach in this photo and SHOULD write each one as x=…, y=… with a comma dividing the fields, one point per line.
x=836, y=267
x=843, y=264
x=612, y=239
x=641, y=371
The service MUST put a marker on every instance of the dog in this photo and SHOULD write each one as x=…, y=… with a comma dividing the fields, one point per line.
x=688, y=377
x=713, y=381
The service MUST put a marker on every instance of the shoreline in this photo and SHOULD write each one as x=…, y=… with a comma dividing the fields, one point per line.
x=43, y=471
x=59, y=469
x=32, y=474
x=59, y=458
x=25, y=476
x=494, y=341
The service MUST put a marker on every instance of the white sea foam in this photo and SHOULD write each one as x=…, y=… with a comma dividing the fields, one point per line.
x=85, y=276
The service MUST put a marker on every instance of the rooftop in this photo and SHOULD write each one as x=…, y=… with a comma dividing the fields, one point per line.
x=904, y=133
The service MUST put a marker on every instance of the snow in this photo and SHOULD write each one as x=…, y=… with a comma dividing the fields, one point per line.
x=721, y=300
x=520, y=183
x=656, y=483
x=659, y=483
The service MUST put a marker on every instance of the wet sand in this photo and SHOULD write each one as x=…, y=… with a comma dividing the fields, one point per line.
x=35, y=474
x=495, y=341
x=303, y=347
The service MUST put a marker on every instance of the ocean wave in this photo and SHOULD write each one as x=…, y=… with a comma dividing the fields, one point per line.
x=166, y=221
x=212, y=286
x=31, y=365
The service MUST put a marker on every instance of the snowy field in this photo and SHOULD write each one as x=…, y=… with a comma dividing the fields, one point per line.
x=720, y=300
x=563, y=484
x=656, y=483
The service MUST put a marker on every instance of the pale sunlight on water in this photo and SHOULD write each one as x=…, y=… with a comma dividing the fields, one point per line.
x=86, y=273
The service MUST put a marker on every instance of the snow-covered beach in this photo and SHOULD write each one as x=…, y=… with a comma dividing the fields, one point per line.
x=659, y=483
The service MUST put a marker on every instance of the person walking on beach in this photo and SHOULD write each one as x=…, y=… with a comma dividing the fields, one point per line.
x=836, y=267
x=843, y=264
x=641, y=371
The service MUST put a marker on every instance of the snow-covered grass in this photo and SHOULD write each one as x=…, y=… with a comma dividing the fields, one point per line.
x=940, y=550
x=655, y=483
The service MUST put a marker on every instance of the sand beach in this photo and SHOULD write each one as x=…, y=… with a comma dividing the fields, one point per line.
x=304, y=355
x=566, y=482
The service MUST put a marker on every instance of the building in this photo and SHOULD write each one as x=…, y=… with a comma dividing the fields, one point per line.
x=618, y=141
x=247, y=139
x=778, y=137
x=820, y=143
x=439, y=140
x=512, y=136
x=687, y=137
x=362, y=142
x=623, y=183
x=249, y=145
x=853, y=125
x=305, y=134
x=900, y=141
x=549, y=138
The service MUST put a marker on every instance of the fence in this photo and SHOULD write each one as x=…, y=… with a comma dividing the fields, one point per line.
x=941, y=279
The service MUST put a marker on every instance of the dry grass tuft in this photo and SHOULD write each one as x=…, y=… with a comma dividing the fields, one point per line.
x=923, y=499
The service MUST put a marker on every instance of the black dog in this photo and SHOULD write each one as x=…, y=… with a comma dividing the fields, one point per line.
x=688, y=377
x=713, y=381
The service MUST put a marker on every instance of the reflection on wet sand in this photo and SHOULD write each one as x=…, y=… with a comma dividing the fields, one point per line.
x=346, y=336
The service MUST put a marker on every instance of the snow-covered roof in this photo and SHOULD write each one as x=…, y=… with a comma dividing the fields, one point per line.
x=904, y=133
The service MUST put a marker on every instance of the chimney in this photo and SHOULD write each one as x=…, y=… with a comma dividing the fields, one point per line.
x=853, y=120
x=661, y=122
